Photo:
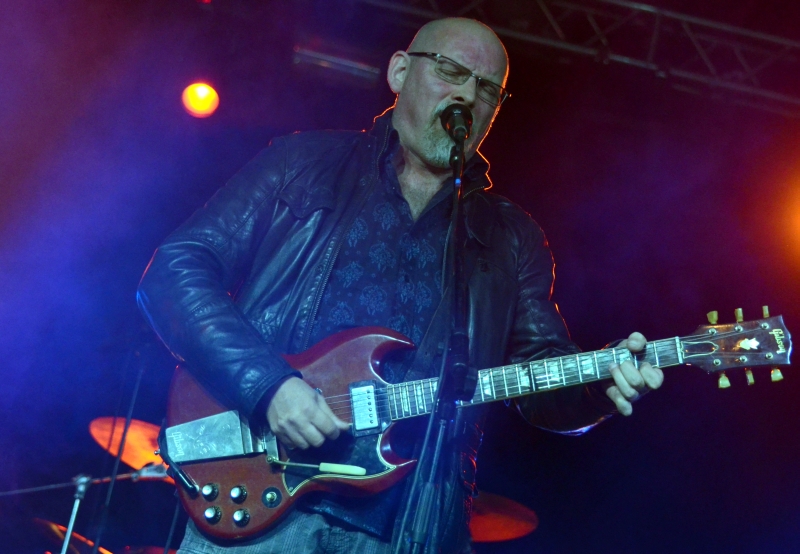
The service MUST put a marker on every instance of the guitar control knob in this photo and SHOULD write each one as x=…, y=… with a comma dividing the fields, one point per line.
x=210, y=491
x=212, y=514
x=241, y=517
x=271, y=497
x=238, y=494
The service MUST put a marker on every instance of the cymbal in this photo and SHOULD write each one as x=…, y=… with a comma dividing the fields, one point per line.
x=140, y=443
x=56, y=533
x=496, y=518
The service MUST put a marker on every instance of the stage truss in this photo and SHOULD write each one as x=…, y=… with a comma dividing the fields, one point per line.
x=695, y=55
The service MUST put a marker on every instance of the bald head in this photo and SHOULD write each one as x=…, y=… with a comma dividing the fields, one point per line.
x=423, y=94
x=435, y=35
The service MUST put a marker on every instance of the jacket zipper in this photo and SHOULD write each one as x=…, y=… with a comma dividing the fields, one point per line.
x=332, y=261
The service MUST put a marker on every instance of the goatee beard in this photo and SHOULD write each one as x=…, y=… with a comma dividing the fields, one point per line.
x=437, y=145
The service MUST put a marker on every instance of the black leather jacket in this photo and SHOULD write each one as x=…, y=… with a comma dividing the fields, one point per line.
x=241, y=281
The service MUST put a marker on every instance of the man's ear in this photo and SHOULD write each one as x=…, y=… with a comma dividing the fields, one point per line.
x=398, y=70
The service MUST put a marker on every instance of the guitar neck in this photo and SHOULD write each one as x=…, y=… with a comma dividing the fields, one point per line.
x=415, y=398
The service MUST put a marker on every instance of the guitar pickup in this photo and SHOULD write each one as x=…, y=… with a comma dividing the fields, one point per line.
x=225, y=435
x=370, y=414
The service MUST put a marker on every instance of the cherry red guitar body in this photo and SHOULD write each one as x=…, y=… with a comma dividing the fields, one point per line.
x=330, y=366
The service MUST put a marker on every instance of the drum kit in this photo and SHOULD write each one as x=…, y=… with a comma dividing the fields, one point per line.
x=494, y=518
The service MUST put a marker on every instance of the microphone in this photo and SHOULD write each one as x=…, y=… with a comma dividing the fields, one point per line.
x=457, y=121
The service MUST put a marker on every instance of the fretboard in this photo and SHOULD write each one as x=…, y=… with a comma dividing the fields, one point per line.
x=416, y=398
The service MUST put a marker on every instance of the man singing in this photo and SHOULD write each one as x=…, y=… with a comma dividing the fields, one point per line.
x=327, y=231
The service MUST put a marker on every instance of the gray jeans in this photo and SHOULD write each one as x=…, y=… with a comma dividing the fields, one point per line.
x=298, y=533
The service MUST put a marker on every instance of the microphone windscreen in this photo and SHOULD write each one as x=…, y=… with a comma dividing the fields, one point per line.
x=457, y=121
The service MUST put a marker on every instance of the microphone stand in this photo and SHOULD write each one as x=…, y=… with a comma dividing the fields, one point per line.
x=460, y=381
x=456, y=381
x=82, y=483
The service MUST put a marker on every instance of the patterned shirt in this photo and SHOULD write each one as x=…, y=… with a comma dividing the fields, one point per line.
x=389, y=270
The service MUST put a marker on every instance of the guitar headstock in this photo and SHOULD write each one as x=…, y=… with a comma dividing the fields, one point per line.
x=740, y=345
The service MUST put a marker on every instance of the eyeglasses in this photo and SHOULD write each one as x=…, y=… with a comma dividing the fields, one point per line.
x=453, y=72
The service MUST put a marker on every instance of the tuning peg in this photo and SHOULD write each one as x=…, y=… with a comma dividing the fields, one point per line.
x=724, y=382
x=713, y=317
x=765, y=311
x=750, y=379
x=739, y=315
x=776, y=375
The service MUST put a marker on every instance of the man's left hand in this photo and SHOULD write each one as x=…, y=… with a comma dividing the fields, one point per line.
x=631, y=383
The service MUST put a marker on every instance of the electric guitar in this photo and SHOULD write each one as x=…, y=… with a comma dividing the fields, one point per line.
x=235, y=479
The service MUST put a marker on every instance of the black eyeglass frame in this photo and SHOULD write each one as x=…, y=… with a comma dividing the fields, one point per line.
x=504, y=94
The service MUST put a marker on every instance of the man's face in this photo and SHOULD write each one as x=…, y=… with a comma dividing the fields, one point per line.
x=424, y=95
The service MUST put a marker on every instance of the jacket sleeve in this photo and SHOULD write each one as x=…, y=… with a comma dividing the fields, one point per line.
x=539, y=332
x=186, y=291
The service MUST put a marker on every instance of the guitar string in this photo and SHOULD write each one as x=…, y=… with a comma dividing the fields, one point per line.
x=411, y=405
x=505, y=376
x=419, y=397
x=511, y=367
x=569, y=367
x=502, y=386
x=569, y=361
x=668, y=344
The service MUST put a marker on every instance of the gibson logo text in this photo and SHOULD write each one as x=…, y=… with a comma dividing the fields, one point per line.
x=778, y=334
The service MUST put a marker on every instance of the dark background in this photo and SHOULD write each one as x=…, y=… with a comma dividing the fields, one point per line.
x=659, y=206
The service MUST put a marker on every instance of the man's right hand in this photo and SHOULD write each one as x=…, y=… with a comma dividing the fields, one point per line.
x=300, y=417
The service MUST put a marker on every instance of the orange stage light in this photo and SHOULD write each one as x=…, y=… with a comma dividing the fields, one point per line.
x=200, y=99
x=793, y=216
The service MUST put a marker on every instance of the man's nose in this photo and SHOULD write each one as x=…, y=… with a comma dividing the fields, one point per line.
x=467, y=92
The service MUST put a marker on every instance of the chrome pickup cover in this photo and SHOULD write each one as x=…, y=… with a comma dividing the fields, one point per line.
x=365, y=413
x=370, y=408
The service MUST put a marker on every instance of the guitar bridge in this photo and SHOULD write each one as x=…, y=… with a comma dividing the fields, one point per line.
x=370, y=408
